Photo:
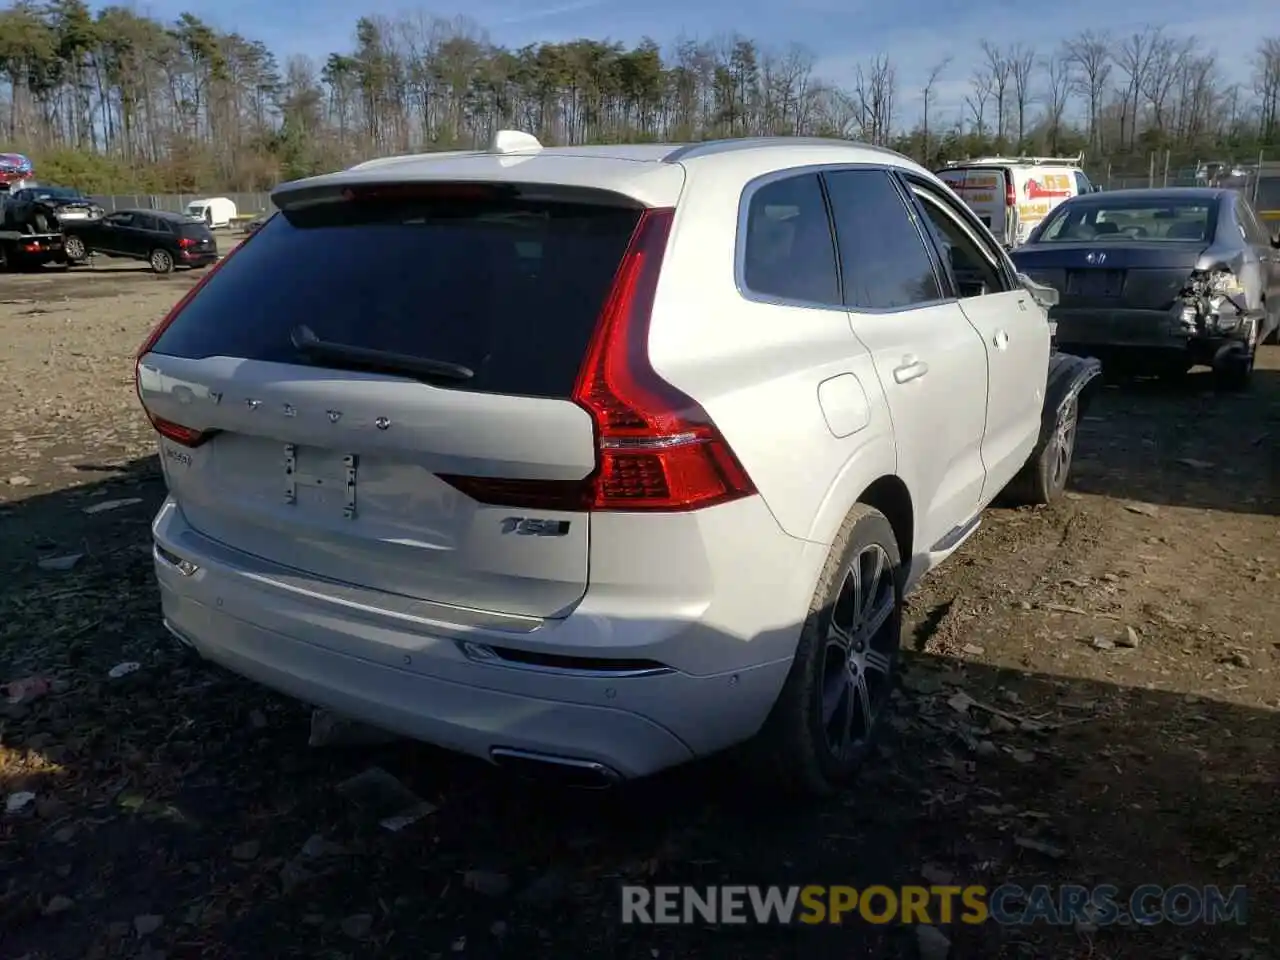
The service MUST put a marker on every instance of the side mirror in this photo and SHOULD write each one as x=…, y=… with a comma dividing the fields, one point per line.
x=1045, y=296
x=1275, y=241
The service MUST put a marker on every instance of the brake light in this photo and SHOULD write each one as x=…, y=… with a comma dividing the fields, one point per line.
x=1010, y=195
x=422, y=191
x=657, y=449
x=176, y=432
x=185, y=242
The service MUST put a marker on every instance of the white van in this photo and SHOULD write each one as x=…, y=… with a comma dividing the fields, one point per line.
x=1013, y=194
x=215, y=211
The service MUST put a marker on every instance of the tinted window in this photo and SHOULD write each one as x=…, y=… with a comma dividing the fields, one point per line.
x=974, y=269
x=1159, y=218
x=510, y=288
x=187, y=228
x=789, y=252
x=1082, y=183
x=120, y=219
x=883, y=258
x=143, y=221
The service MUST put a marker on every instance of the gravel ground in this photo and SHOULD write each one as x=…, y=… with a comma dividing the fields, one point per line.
x=1117, y=654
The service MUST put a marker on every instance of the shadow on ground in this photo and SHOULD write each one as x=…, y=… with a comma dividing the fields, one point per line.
x=1184, y=444
x=181, y=802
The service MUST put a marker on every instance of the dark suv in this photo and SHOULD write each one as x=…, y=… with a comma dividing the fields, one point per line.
x=165, y=240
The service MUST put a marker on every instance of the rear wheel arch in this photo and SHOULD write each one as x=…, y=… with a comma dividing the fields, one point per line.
x=890, y=496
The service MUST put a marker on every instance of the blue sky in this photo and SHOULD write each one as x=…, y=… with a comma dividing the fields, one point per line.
x=841, y=33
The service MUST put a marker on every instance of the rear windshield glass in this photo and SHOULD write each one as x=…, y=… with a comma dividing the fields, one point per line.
x=509, y=288
x=190, y=229
x=1155, y=219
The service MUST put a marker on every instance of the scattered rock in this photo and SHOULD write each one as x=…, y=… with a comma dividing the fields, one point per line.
x=19, y=481
x=1102, y=643
x=1239, y=659
x=1131, y=638
x=486, y=882
x=57, y=904
x=106, y=505
x=18, y=802
x=459, y=945
x=27, y=690
x=498, y=929
x=257, y=719
x=317, y=848
x=549, y=888
x=124, y=669
x=1145, y=509
x=932, y=943
x=1039, y=846
x=1195, y=464
x=60, y=563
x=1023, y=756
x=145, y=924
x=358, y=925
x=385, y=798
x=293, y=875
x=246, y=851
x=973, y=649
x=936, y=875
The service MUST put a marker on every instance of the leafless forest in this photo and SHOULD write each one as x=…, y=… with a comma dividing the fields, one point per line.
x=122, y=102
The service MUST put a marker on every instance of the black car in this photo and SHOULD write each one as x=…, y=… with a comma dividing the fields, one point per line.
x=1159, y=280
x=165, y=240
x=44, y=209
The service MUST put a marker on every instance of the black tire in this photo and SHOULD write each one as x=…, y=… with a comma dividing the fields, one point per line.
x=161, y=261
x=76, y=251
x=799, y=749
x=1044, y=478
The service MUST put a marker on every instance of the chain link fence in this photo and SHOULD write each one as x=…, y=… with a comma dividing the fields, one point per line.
x=248, y=205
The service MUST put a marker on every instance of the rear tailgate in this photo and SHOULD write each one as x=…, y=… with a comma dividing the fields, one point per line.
x=196, y=238
x=338, y=473
x=984, y=190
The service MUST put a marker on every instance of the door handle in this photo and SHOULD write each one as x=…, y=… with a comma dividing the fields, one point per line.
x=911, y=369
x=1001, y=340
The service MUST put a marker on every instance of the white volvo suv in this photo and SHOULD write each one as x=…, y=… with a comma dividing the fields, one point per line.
x=597, y=459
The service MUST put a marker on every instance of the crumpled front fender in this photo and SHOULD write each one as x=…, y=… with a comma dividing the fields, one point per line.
x=1070, y=377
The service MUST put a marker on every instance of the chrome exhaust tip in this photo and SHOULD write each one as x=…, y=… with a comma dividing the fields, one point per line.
x=562, y=771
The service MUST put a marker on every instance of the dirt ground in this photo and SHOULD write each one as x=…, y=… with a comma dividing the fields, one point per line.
x=1118, y=657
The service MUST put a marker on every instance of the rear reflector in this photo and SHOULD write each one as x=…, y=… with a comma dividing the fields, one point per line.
x=657, y=449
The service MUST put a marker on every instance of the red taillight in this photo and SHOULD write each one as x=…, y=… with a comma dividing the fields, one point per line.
x=185, y=242
x=1010, y=195
x=178, y=433
x=175, y=431
x=657, y=448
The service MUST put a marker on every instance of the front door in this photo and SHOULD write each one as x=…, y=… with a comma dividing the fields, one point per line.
x=1014, y=330
x=927, y=356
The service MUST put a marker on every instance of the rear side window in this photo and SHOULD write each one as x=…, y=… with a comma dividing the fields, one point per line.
x=509, y=288
x=789, y=252
x=883, y=258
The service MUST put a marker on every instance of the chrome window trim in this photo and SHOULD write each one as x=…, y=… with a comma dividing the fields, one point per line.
x=756, y=184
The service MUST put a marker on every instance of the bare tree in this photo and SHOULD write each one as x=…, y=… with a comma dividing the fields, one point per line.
x=1089, y=55
x=875, y=90
x=1022, y=64
x=1134, y=56
x=1267, y=84
x=981, y=87
x=926, y=95
x=1168, y=57
x=1057, y=92
x=1000, y=71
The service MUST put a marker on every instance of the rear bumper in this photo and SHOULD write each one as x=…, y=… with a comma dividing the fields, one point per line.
x=196, y=259
x=1155, y=332
x=424, y=680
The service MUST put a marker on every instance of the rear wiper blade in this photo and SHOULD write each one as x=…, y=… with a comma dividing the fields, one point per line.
x=306, y=342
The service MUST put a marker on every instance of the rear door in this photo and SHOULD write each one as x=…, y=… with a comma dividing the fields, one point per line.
x=339, y=473
x=984, y=190
x=929, y=358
